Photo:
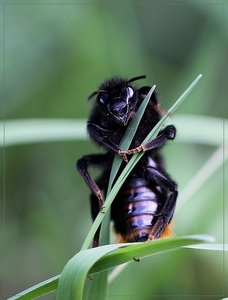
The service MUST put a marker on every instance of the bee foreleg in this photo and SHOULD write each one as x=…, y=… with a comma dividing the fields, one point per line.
x=82, y=166
x=167, y=134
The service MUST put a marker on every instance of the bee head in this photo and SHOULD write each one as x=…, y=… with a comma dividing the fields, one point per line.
x=117, y=99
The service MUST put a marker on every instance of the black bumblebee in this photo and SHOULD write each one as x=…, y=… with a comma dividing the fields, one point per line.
x=145, y=204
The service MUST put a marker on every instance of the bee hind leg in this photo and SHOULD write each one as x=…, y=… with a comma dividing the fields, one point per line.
x=164, y=218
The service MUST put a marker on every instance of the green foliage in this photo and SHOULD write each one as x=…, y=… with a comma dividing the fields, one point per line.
x=86, y=262
x=54, y=57
x=90, y=261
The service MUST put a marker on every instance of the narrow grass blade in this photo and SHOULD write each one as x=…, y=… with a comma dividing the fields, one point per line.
x=38, y=290
x=126, y=141
x=172, y=109
x=212, y=247
x=218, y=158
x=128, y=137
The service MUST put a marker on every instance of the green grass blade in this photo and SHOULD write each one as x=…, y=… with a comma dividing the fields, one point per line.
x=126, y=141
x=128, y=137
x=38, y=290
x=106, y=259
x=74, y=274
x=97, y=286
x=212, y=247
x=131, y=251
x=156, y=129
x=24, y=131
x=72, y=279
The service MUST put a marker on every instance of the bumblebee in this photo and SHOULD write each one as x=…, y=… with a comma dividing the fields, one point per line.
x=144, y=206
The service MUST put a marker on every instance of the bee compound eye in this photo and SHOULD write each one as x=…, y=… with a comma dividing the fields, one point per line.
x=127, y=92
x=130, y=92
x=102, y=98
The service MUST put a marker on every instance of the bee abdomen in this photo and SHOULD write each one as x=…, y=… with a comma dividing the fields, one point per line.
x=134, y=212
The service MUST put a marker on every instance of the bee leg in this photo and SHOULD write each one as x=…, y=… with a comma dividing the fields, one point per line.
x=164, y=216
x=105, y=137
x=82, y=166
x=167, y=134
x=153, y=175
x=102, y=182
x=94, y=212
x=96, y=198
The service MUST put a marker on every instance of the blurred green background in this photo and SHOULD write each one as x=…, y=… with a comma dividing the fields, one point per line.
x=53, y=56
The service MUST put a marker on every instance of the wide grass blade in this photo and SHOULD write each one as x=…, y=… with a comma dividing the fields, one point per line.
x=129, y=251
x=28, y=131
x=98, y=259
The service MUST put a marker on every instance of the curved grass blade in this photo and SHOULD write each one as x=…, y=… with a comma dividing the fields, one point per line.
x=128, y=251
x=72, y=279
x=132, y=251
x=74, y=274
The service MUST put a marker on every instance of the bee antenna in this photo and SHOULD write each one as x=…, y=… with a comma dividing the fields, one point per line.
x=137, y=78
x=92, y=95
